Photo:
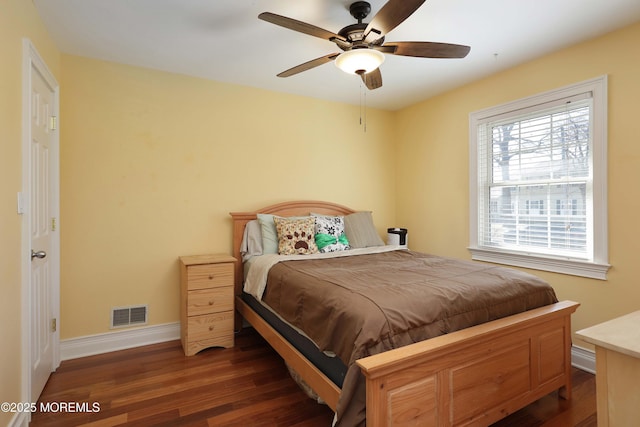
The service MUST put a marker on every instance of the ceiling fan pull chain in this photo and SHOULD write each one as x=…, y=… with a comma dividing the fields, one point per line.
x=360, y=89
x=363, y=107
x=364, y=93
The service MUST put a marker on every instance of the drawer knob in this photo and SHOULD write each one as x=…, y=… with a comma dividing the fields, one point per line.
x=211, y=302
x=210, y=328
x=211, y=277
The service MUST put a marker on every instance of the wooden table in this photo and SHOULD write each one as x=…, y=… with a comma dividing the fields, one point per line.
x=617, y=344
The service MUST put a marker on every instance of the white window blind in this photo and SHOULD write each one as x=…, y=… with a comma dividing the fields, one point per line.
x=537, y=173
x=535, y=177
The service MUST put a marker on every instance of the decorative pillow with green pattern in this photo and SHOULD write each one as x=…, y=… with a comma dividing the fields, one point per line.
x=330, y=236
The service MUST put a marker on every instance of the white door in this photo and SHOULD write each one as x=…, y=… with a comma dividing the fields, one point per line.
x=43, y=202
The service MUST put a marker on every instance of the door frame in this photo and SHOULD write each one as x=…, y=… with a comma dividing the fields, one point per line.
x=31, y=60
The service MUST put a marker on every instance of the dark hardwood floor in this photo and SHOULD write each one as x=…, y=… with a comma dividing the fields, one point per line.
x=248, y=385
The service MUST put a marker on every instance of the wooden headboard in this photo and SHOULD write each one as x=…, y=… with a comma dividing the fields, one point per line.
x=294, y=208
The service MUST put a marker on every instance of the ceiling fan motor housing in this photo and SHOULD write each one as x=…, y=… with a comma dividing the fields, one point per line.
x=354, y=33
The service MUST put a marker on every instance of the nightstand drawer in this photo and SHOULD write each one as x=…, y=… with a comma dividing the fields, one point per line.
x=209, y=276
x=211, y=327
x=212, y=300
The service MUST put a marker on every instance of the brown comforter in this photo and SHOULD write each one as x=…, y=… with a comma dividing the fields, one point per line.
x=362, y=305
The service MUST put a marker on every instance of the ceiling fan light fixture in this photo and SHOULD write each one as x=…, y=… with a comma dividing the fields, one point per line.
x=358, y=61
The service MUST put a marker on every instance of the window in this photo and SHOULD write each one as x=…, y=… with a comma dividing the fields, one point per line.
x=538, y=181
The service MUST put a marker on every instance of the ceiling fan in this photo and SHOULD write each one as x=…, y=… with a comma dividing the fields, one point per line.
x=363, y=44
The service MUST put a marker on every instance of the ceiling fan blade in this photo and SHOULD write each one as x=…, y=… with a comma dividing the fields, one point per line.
x=299, y=26
x=390, y=16
x=372, y=79
x=426, y=49
x=308, y=65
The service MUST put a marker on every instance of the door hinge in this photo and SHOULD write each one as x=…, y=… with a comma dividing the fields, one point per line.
x=53, y=123
x=54, y=324
x=53, y=224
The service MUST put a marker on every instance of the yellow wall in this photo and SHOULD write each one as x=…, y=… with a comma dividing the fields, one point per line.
x=18, y=19
x=152, y=163
x=433, y=161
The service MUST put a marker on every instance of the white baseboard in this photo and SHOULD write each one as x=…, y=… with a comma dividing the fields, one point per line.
x=73, y=348
x=583, y=359
x=20, y=419
x=118, y=340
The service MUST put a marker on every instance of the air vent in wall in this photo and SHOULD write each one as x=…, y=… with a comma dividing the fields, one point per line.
x=128, y=316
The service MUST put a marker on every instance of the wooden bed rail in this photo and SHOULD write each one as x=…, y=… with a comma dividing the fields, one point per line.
x=319, y=382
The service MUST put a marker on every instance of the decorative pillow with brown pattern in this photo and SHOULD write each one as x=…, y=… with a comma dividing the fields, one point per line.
x=296, y=236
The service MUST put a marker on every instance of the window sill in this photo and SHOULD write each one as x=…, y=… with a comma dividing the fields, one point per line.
x=591, y=270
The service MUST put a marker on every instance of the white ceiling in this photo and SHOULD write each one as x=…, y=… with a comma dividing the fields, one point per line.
x=224, y=40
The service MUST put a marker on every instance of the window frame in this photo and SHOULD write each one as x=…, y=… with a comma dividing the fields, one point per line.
x=598, y=265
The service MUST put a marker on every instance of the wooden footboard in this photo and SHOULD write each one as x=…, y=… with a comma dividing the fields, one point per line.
x=475, y=376
x=472, y=377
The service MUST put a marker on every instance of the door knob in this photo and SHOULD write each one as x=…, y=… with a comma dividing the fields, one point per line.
x=39, y=254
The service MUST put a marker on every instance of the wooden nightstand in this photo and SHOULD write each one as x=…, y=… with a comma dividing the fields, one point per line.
x=617, y=344
x=206, y=302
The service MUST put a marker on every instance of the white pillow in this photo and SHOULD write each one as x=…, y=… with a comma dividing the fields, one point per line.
x=251, y=240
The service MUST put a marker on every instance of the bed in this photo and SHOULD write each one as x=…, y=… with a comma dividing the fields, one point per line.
x=471, y=376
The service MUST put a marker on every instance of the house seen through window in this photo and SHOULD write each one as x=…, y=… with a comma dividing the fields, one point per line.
x=538, y=181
